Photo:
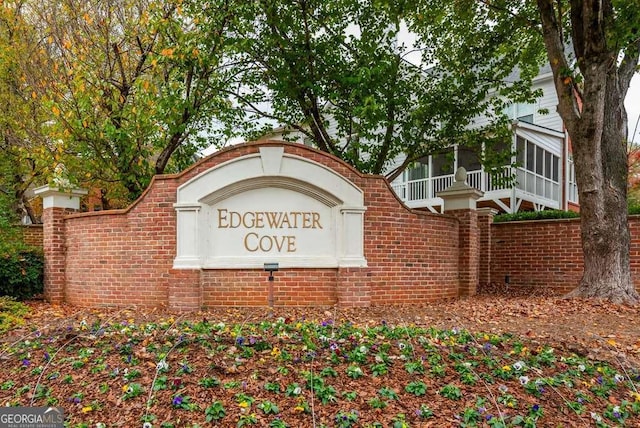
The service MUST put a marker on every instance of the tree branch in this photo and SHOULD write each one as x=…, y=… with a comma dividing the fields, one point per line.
x=565, y=85
x=628, y=67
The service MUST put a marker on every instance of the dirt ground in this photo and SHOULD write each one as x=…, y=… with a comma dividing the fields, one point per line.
x=81, y=367
x=597, y=330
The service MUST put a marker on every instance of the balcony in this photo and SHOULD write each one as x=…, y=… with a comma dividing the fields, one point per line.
x=540, y=191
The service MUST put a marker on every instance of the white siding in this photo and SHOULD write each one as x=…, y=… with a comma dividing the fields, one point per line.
x=395, y=163
x=548, y=101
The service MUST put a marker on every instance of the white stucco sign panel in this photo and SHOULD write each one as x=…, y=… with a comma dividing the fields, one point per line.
x=269, y=207
x=271, y=223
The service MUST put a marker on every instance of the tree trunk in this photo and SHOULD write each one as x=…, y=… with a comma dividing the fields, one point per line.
x=595, y=118
x=601, y=174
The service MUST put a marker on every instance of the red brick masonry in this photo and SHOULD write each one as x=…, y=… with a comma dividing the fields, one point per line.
x=33, y=234
x=125, y=257
x=547, y=253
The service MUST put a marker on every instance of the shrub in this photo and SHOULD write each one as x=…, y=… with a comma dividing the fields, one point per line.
x=11, y=313
x=21, y=270
x=535, y=215
x=634, y=208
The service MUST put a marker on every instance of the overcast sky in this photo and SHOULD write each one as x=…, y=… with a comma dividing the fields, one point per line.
x=632, y=103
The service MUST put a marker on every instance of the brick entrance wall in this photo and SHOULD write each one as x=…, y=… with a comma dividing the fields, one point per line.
x=32, y=234
x=125, y=257
x=547, y=253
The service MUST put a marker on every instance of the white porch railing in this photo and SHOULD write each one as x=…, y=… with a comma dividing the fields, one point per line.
x=537, y=184
x=428, y=188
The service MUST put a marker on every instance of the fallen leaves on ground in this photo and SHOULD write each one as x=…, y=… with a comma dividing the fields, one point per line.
x=506, y=358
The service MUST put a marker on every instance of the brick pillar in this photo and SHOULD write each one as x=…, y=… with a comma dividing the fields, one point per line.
x=185, y=290
x=56, y=205
x=485, y=220
x=460, y=201
x=353, y=288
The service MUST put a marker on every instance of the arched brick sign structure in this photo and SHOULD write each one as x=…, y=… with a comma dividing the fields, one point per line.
x=200, y=238
x=269, y=207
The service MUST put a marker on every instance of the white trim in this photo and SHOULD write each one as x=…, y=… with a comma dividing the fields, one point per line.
x=53, y=197
x=273, y=172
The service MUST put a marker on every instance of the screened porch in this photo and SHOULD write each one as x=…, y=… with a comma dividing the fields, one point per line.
x=536, y=180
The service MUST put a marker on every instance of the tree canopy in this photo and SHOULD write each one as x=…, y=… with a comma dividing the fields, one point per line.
x=129, y=88
x=335, y=72
x=106, y=94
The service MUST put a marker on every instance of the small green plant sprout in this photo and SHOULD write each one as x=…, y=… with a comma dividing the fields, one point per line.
x=248, y=419
x=132, y=390
x=209, y=382
x=162, y=382
x=387, y=392
x=379, y=369
x=215, y=412
x=346, y=419
x=6, y=385
x=451, y=391
x=272, y=387
x=399, y=421
x=293, y=390
x=414, y=367
x=328, y=372
x=231, y=384
x=377, y=403
x=470, y=416
x=350, y=395
x=326, y=394
x=437, y=370
x=269, y=408
x=131, y=374
x=354, y=372
x=417, y=388
x=278, y=423
x=546, y=357
x=424, y=412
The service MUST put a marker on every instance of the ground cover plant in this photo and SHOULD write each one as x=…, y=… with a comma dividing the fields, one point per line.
x=440, y=365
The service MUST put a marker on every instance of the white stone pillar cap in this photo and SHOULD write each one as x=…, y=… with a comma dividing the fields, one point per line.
x=460, y=195
x=53, y=197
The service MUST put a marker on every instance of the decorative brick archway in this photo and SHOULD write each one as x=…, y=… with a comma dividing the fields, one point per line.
x=172, y=247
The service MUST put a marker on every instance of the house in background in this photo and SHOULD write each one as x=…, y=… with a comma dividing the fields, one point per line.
x=544, y=175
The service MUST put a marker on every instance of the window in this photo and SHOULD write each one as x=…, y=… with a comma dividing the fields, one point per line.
x=468, y=158
x=536, y=159
x=523, y=112
x=419, y=171
x=531, y=156
x=443, y=163
x=571, y=177
x=539, y=160
x=521, y=153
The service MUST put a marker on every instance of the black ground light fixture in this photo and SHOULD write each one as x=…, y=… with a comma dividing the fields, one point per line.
x=271, y=268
